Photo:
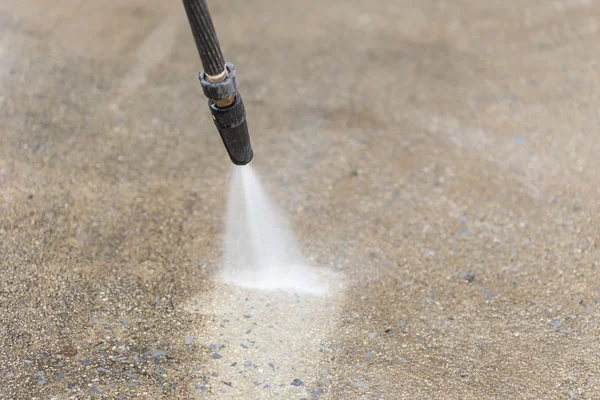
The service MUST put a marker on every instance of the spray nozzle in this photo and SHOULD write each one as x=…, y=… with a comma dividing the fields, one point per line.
x=228, y=113
x=231, y=124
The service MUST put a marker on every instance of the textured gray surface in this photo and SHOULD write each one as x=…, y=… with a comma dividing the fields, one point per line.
x=439, y=161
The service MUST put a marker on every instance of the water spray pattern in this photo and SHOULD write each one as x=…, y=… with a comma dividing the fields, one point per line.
x=260, y=250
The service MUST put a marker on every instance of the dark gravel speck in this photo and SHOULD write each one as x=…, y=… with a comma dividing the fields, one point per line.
x=297, y=382
x=467, y=276
x=216, y=356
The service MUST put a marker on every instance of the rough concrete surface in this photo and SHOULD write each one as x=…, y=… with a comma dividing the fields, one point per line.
x=439, y=161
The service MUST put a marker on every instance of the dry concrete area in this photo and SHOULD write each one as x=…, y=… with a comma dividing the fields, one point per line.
x=439, y=161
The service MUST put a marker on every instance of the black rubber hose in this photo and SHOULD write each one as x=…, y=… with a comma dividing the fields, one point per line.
x=205, y=36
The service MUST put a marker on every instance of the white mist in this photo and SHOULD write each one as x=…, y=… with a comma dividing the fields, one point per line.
x=260, y=250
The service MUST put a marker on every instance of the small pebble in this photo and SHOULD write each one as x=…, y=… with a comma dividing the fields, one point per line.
x=467, y=276
x=297, y=382
x=216, y=356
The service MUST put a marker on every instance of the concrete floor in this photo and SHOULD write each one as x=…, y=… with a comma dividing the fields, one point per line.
x=439, y=161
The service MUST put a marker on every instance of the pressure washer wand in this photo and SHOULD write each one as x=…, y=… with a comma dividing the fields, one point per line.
x=220, y=85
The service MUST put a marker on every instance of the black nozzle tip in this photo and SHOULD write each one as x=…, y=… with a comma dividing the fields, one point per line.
x=241, y=158
x=233, y=128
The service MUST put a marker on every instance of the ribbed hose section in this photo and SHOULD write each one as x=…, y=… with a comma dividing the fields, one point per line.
x=205, y=36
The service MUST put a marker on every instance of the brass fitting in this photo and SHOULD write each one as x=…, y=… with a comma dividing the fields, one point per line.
x=220, y=78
